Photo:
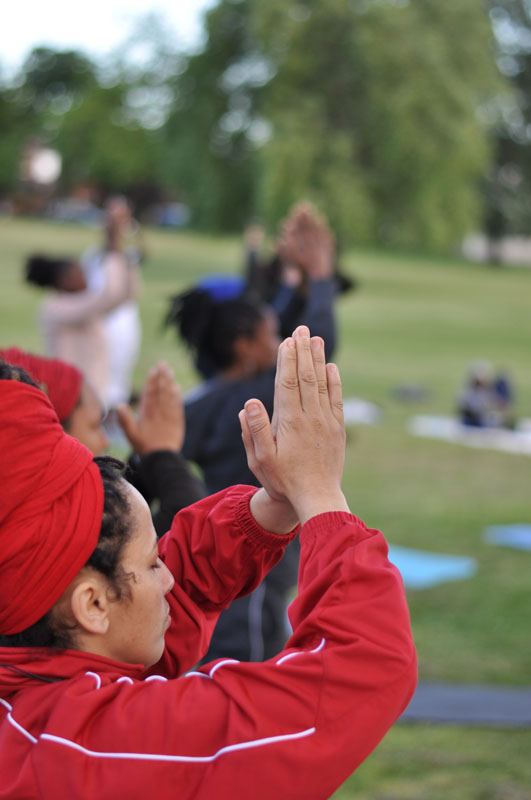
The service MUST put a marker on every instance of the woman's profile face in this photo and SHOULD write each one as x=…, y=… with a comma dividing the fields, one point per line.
x=265, y=342
x=140, y=619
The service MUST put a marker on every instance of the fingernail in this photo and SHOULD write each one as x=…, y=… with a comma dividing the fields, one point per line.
x=253, y=409
x=316, y=343
x=290, y=343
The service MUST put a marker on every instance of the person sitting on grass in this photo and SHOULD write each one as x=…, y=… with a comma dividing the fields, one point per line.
x=99, y=622
x=486, y=399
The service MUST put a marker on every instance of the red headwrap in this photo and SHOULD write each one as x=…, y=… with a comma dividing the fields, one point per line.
x=51, y=506
x=61, y=381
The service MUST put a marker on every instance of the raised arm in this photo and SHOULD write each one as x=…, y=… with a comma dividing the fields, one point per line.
x=157, y=468
x=298, y=458
x=317, y=709
x=295, y=726
x=216, y=551
x=307, y=247
x=71, y=308
x=349, y=669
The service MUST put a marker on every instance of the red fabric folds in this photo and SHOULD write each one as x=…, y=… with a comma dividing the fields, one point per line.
x=61, y=381
x=51, y=505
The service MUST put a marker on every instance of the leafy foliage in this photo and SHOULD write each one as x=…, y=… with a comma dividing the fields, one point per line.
x=508, y=181
x=89, y=114
x=98, y=144
x=407, y=121
x=210, y=147
x=368, y=108
x=389, y=92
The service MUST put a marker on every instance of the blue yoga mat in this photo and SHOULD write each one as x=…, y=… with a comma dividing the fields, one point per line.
x=421, y=569
x=517, y=535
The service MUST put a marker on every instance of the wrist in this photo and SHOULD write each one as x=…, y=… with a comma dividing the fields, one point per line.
x=161, y=449
x=311, y=505
x=145, y=449
x=275, y=516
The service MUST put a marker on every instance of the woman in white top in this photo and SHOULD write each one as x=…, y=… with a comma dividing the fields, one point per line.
x=71, y=315
x=122, y=325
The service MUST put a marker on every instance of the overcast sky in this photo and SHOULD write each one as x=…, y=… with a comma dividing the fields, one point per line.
x=94, y=26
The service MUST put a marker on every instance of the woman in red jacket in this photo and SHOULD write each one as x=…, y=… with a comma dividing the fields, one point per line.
x=99, y=623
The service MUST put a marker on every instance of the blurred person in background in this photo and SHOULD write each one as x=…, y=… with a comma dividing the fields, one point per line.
x=121, y=234
x=234, y=341
x=505, y=399
x=486, y=399
x=76, y=402
x=156, y=467
x=281, y=282
x=71, y=315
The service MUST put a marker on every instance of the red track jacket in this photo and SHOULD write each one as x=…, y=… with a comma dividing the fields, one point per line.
x=77, y=725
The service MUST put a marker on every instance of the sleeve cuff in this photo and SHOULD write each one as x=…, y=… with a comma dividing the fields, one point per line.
x=322, y=524
x=256, y=535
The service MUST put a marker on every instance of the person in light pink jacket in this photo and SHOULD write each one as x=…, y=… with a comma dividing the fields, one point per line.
x=71, y=316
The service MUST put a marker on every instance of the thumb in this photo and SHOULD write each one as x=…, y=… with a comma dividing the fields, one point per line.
x=127, y=420
x=259, y=428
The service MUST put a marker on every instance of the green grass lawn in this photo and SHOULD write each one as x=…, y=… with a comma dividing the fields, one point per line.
x=419, y=321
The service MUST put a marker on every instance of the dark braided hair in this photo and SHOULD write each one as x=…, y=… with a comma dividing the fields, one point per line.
x=115, y=532
x=116, y=525
x=211, y=327
x=45, y=271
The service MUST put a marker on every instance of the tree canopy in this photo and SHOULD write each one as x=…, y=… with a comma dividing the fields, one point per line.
x=406, y=121
x=367, y=108
x=508, y=180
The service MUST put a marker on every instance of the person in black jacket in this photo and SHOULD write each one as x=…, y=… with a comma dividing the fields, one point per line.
x=278, y=280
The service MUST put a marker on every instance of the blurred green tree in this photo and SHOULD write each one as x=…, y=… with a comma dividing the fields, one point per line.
x=47, y=85
x=367, y=107
x=379, y=111
x=374, y=111
x=101, y=118
x=54, y=80
x=14, y=128
x=214, y=127
x=508, y=181
x=100, y=143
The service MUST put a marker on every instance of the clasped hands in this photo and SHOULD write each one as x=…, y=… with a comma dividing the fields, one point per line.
x=160, y=422
x=307, y=243
x=298, y=457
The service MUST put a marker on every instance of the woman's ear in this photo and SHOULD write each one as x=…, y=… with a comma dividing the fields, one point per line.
x=89, y=603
